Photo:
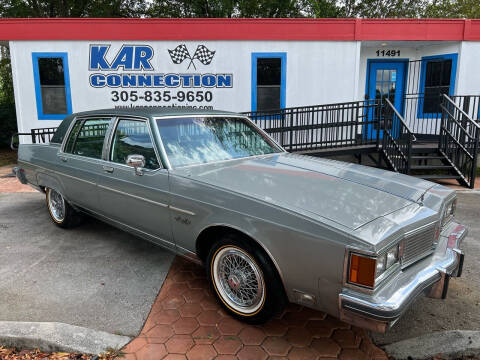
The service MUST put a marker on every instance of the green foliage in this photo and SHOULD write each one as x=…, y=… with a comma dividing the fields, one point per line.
x=8, y=121
x=383, y=8
x=469, y=9
x=226, y=8
x=321, y=8
x=72, y=8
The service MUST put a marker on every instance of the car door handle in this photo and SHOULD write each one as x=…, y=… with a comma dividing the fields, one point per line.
x=63, y=158
x=108, y=169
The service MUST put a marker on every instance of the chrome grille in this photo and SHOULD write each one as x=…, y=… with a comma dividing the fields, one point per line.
x=418, y=244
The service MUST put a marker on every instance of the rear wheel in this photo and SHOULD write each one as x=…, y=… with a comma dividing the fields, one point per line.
x=61, y=212
x=245, y=280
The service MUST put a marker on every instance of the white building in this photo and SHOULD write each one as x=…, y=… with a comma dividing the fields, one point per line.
x=62, y=66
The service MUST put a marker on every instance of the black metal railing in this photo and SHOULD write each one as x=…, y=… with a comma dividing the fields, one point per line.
x=425, y=124
x=421, y=109
x=397, y=140
x=459, y=140
x=470, y=104
x=36, y=136
x=321, y=126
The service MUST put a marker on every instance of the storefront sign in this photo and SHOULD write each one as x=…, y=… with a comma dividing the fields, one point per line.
x=131, y=67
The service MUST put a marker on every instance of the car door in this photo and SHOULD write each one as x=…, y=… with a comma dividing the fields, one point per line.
x=80, y=160
x=137, y=198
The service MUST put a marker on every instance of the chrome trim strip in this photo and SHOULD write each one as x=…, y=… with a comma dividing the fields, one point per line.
x=190, y=255
x=420, y=229
x=182, y=210
x=133, y=196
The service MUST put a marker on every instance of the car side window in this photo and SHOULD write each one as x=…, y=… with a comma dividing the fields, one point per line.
x=73, y=136
x=87, y=136
x=132, y=137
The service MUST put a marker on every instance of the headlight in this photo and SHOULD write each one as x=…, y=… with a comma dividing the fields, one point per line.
x=449, y=211
x=367, y=270
x=392, y=256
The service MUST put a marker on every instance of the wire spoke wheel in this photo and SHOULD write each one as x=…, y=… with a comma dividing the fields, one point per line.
x=238, y=279
x=56, y=205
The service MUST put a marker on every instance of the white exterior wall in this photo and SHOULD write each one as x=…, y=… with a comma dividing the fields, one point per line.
x=317, y=73
x=468, y=76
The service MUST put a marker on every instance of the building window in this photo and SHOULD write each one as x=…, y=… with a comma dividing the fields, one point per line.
x=268, y=81
x=52, y=85
x=437, y=78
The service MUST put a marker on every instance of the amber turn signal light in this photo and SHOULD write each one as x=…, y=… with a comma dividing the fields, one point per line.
x=362, y=270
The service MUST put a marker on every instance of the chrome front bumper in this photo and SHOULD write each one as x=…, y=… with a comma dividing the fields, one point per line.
x=430, y=277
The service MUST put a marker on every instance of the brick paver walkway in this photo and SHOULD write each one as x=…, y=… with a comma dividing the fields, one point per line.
x=186, y=322
x=11, y=184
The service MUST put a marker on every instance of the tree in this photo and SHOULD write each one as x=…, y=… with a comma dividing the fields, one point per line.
x=8, y=120
x=226, y=8
x=382, y=8
x=72, y=8
x=469, y=9
x=320, y=8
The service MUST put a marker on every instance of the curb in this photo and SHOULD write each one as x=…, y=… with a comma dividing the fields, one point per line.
x=54, y=336
x=453, y=344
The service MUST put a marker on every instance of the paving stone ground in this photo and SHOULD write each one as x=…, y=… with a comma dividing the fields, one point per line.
x=11, y=184
x=186, y=322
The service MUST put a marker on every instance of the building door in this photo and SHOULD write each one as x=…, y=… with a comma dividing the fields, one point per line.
x=386, y=80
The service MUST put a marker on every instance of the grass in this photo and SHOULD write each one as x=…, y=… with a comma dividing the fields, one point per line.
x=7, y=157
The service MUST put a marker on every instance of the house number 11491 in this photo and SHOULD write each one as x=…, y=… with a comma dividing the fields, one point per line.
x=388, y=53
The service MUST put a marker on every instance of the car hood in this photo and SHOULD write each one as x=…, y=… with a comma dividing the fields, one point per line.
x=345, y=193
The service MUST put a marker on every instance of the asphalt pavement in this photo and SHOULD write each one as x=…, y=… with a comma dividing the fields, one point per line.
x=93, y=276
x=99, y=277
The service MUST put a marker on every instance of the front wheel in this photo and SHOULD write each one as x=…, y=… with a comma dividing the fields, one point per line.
x=245, y=280
x=61, y=212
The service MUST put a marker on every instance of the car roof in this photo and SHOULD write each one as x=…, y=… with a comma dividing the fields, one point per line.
x=157, y=111
x=147, y=111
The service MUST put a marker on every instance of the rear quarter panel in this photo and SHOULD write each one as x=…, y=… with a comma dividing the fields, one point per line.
x=39, y=162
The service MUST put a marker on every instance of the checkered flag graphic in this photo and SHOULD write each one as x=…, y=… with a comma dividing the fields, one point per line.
x=203, y=55
x=179, y=54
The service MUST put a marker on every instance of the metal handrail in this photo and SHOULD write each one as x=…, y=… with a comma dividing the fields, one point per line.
x=459, y=109
x=460, y=152
x=400, y=117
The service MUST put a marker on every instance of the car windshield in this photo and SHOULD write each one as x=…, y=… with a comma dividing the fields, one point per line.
x=197, y=140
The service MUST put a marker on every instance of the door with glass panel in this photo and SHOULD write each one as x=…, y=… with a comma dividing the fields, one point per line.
x=386, y=80
x=136, y=197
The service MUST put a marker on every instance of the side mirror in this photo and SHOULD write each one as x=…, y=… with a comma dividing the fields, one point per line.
x=137, y=162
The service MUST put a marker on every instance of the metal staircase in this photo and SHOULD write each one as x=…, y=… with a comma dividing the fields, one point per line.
x=428, y=163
